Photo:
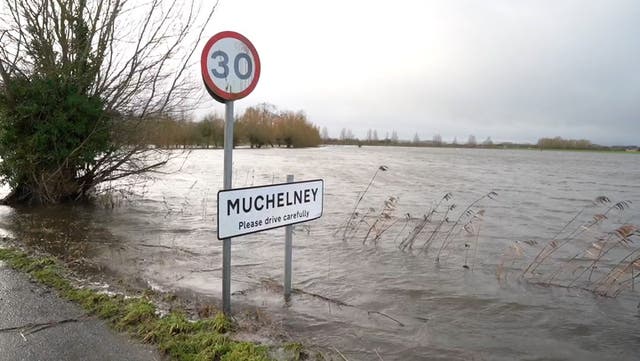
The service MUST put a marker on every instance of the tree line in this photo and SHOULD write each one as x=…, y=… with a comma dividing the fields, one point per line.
x=561, y=143
x=347, y=137
x=259, y=126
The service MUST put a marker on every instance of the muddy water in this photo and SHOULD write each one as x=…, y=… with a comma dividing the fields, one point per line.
x=368, y=298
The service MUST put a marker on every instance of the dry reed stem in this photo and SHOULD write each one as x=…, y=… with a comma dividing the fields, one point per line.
x=406, y=223
x=552, y=246
x=436, y=231
x=613, y=279
x=466, y=212
x=411, y=237
x=389, y=206
x=340, y=353
x=475, y=249
x=619, y=269
x=623, y=232
x=355, y=207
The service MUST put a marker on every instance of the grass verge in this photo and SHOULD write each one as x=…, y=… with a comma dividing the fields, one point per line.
x=173, y=334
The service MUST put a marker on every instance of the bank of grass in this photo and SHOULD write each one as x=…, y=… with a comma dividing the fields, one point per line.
x=174, y=334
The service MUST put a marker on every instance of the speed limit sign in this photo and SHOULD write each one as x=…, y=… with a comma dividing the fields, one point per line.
x=230, y=66
x=230, y=69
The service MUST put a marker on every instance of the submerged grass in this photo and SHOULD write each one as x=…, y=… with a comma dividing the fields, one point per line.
x=173, y=334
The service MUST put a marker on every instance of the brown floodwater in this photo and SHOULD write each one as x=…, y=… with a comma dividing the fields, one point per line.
x=371, y=297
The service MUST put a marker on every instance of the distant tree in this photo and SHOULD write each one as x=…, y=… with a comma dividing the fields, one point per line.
x=455, y=141
x=343, y=134
x=369, y=135
x=375, y=135
x=211, y=131
x=471, y=142
x=437, y=140
x=256, y=125
x=416, y=138
x=560, y=143
x=350, y=135
x=487, y=142
x=394, y=137
x=292, y=129
x=325, y=133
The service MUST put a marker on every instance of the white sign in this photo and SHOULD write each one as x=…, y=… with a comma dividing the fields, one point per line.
x=230, y=66
x=249, y=210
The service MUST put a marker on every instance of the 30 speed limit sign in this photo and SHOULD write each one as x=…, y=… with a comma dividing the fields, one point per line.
x=230, y=69
x=230, y=66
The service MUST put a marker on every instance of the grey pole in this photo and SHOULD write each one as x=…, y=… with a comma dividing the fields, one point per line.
x=288, y=235
x=228, y=171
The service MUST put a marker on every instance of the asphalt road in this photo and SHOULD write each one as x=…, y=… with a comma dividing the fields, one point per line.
x=37, y=325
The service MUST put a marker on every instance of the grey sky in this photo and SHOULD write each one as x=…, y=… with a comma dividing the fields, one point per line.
x=512, y=70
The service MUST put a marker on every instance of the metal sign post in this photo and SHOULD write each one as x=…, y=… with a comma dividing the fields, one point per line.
x=230, y=69
x=288, y=250
x=228, y=172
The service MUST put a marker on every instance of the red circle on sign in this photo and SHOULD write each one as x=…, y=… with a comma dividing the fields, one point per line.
x=218, y=93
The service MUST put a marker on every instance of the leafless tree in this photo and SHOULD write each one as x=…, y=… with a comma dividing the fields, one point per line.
x=437, y=140
x=471, y=142
x=133, y=56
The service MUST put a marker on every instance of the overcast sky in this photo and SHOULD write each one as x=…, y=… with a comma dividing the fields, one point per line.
x=511, y=70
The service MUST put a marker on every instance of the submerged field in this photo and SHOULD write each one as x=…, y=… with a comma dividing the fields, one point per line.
x=450, y=254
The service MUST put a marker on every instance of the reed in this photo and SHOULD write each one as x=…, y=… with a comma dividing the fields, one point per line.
x=614, y=281
x=409, y=240
x=407, y=220
x=606, y=258
x=474, y=232
x=437, y=230
x=434, y=225
x=468, y=213
x=607, y=261
x=512, y=254
x=348, y=224
x=382, y=222
x=554, y=244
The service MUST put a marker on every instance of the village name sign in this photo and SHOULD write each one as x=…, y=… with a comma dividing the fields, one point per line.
x=248, y=210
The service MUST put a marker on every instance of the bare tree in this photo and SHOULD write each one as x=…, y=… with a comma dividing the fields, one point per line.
x=350, y=135
x=394, y=137
x=325, y=134
x=471, y=142
x=130, y=58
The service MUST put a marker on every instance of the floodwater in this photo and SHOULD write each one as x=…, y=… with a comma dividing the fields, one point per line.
x=371, y=300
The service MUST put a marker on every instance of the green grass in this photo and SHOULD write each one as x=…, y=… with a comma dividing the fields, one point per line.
x=173, y=334
x=297, y=351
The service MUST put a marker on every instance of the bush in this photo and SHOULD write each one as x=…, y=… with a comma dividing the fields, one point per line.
x=51, y=135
